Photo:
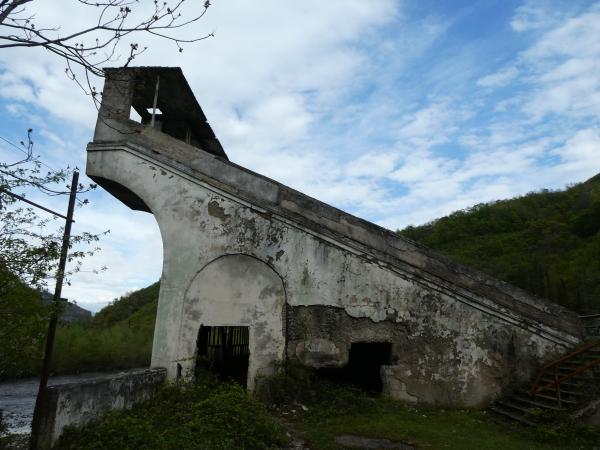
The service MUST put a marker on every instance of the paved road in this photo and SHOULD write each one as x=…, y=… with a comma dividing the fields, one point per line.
x=17, y=399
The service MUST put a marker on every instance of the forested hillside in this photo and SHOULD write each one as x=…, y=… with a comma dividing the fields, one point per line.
x=138, y=308
x=547, y=242
x=118, y=337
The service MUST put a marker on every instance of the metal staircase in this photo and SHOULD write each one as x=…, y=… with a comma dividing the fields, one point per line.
x=560, y=386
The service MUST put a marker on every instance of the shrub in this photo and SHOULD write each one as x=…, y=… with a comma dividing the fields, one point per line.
x=206, y=415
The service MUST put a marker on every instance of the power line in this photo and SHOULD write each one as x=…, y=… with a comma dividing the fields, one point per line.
x=18, y=197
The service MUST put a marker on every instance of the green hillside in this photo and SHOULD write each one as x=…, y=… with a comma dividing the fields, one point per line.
x=118, y=337
x=547, y=242
x=138, y=308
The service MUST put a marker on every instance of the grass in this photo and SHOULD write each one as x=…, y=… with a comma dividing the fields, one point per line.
x=319, y=412
x=430, y=428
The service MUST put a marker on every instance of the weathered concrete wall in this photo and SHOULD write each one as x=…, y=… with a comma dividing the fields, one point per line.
x=236, y=290
x=80, y=403
x=441, y=353
x=458, y=336
x=452, y=345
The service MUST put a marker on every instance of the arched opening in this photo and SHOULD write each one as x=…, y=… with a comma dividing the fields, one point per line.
x=232, y=319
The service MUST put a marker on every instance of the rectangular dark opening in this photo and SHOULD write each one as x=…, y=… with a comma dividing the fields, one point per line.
x=364, y=366
x=224, y=351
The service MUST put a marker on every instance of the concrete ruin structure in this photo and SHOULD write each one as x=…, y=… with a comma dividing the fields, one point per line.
x=256, y=274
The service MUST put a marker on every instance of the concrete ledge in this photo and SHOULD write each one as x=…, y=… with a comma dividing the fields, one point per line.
x=80, y=403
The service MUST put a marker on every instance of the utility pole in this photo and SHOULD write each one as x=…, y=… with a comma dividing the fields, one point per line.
x=60, y=274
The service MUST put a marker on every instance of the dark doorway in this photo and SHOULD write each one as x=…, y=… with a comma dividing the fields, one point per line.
x=363, y=368
x=224, y=351
x=364, y=364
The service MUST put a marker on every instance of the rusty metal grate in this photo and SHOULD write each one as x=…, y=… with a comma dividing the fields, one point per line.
x=225, y=351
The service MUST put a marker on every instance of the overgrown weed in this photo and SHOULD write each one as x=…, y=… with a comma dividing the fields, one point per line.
x=208, y=414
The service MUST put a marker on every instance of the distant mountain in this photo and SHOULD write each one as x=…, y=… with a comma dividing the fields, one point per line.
x=72, y=312
x=546, y=242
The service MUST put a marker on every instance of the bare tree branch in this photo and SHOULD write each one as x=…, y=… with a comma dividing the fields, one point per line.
x=10, y=7
x=94, y=46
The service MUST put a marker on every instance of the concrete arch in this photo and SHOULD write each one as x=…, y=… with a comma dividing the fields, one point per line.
x=125, y=176
x=236, y=290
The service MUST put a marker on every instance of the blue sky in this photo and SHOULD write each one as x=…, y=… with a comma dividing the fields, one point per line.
x=398, y=112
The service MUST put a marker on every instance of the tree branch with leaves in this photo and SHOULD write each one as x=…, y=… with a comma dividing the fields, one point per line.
x=29, y=241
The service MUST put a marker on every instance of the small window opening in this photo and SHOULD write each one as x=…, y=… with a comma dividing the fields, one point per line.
x=150, y=110
x=224, y=351
x=364, y=366
x=133, y=115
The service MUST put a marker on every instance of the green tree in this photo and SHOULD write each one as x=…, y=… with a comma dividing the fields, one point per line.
x=29, y=249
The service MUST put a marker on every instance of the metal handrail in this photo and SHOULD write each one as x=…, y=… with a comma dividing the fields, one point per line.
x=536, y=388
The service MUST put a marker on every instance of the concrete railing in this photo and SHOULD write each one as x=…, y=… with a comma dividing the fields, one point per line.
x=83, y=402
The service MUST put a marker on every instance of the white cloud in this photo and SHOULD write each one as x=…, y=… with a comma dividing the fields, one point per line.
x=577, y=36
x=582, y=148
x=372, y=165
x=313, y=94
x=422, y=166
x=430, y=126
x=132, y=253
x=500, y=78
x=566, y=69
x=537, y=14
x=264, y=80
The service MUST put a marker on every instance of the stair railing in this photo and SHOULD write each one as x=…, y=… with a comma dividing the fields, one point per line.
x=552, y=368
